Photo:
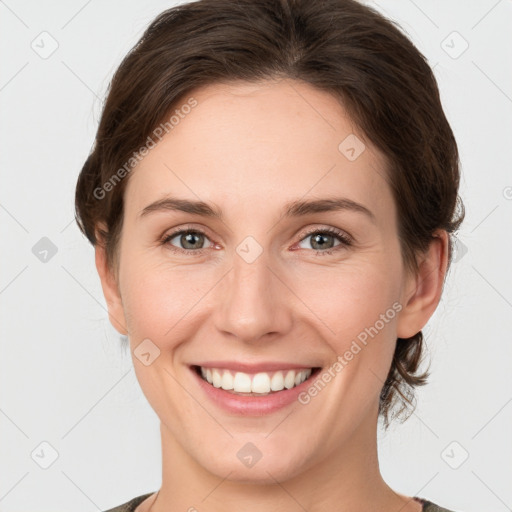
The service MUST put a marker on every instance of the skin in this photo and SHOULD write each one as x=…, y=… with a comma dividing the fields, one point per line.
x=249, y=149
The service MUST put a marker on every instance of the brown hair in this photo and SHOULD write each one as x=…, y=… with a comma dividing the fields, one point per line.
x=339, y=46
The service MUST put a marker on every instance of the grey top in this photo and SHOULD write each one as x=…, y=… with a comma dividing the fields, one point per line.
x=130, y=506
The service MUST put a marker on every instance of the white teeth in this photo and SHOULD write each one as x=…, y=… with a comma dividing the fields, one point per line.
x=216, y=378
x=227, y=381
x=242, y=382
x=277, y=382
x=302, y=376
x=261, y=383
x=289, y=380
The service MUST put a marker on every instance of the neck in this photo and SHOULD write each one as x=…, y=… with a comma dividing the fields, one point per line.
x=348, y=479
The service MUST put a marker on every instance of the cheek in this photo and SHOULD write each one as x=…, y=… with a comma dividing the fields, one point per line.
x=355, y=308
x=159, y=298
x=349, y=298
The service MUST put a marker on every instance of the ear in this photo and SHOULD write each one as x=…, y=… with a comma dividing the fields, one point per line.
x=422, y=292
x=110, y=289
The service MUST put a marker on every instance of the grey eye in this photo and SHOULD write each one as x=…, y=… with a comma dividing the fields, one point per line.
x=187, y=240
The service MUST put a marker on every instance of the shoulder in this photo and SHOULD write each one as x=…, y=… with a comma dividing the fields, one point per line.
x=429, y=506
x=130, y=506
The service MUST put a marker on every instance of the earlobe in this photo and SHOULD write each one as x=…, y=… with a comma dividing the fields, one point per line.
x=423, y=291
x=110, y=290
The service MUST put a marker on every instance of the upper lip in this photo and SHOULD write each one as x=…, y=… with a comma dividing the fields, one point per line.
x=264, y=366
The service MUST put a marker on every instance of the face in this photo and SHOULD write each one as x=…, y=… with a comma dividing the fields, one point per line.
x=265, y=293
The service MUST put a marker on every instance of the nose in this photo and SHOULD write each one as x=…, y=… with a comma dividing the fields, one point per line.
x=254, y=302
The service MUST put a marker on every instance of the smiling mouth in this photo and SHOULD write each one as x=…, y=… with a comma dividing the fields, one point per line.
x=255, y=384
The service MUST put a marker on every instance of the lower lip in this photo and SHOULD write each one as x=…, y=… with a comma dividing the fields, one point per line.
x=253, y=405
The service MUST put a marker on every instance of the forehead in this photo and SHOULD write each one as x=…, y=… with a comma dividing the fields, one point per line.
x=268, y=142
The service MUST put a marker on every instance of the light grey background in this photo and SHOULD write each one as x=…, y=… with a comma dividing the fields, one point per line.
x=64, y=378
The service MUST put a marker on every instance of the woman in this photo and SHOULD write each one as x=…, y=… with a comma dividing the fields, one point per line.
x=271, y=197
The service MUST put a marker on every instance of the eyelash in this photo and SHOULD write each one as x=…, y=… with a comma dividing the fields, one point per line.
x=345, y=240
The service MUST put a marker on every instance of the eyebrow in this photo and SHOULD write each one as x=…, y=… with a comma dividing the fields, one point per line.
x=297, y=208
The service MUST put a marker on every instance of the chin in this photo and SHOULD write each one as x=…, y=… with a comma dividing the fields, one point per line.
x=244, y=466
